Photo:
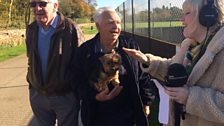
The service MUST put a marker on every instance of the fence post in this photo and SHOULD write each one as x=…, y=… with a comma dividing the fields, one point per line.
x=132, y=8
x=170, y=15
x=124, y=15
x=149, y=19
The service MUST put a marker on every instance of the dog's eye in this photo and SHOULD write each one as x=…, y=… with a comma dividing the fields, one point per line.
x=109, y=63
x=116, y=63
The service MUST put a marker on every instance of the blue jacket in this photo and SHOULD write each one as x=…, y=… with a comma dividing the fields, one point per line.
x=136, y=88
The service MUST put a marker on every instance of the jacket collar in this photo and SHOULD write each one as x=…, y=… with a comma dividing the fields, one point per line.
x=214, y=47
x=99, y=48
x=61, y=23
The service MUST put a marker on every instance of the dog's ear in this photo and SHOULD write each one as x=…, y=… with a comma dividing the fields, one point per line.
x=117, y=58
x=101, y=59
x=122, y=70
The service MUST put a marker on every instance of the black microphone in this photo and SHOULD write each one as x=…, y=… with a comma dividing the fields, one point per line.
x=176, y=77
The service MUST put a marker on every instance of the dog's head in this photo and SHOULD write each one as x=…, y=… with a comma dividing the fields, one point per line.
x=111, y=62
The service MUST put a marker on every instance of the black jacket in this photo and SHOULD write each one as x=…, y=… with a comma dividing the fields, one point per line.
x=59, y=65
x=137, y=83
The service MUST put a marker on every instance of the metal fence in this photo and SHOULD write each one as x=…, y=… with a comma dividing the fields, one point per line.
x=158, y=19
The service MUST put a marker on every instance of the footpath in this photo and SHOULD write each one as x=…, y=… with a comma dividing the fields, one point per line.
x=14, y=101
x=15, y=108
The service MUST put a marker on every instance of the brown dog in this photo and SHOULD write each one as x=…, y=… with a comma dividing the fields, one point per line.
x=108, y=72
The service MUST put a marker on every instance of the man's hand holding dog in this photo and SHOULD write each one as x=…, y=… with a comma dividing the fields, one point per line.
x=106, y=95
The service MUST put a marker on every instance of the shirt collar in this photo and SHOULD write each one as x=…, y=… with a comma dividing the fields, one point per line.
x=53, y=24
x=99, y=48
x=55, y=21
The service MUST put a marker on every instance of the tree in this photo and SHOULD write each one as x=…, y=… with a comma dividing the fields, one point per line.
x=76, y=8
x=176, y=13
x=10, y=13
x=92, y=3
x=16, y=13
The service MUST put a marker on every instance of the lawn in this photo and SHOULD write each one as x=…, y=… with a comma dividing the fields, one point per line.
x=154, y=24
x=89, y=30
x=7, y=52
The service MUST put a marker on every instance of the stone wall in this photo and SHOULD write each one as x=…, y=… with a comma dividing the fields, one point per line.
x=12, y=37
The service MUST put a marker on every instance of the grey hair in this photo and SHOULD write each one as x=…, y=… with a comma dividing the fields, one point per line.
x=97, y=17
x=53, y=1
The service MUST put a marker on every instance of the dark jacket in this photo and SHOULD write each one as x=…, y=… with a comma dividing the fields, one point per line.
x=64, y=42
x=137, y=84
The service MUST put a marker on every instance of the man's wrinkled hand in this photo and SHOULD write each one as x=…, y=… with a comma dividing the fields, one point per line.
x=106, y=95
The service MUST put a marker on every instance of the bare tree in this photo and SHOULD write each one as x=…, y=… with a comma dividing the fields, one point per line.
x=10, y=14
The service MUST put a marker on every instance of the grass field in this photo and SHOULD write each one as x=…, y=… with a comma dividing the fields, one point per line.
x=154, y=24
x=7, y=52
x=89, y=29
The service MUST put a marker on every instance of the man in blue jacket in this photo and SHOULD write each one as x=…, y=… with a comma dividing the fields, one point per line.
x=121, y=105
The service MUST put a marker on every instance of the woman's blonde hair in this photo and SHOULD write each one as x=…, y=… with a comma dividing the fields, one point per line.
x=196, y=5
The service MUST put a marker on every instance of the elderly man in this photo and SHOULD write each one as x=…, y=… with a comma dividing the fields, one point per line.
x=51, y=42
x=120, y=105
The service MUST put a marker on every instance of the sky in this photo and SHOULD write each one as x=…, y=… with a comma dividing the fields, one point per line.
x=167, y=3
x=111, y=3
x=154, y=3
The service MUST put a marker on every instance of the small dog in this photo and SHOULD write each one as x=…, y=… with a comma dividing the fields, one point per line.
x=107, y=72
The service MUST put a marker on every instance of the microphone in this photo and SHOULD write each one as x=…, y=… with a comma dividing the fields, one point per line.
x=176, y=77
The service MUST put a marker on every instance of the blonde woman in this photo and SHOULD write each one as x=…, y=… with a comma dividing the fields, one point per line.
x=202, y=53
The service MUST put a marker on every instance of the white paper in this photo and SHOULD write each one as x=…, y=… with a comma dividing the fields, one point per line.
x=163, y=104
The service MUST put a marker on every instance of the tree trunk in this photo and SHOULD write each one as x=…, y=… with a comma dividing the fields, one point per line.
x=27, y=15
x=10, y=14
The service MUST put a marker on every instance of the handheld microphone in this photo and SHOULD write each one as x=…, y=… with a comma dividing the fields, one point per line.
x=176, y=77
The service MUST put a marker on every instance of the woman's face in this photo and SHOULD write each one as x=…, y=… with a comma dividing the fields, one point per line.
x=192, y=28
x=188, y=21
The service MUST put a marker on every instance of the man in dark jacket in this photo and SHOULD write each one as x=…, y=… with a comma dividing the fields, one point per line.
x=121, y=105
x=51, y=42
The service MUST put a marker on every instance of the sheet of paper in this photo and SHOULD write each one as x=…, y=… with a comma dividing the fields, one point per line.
x=163, y=104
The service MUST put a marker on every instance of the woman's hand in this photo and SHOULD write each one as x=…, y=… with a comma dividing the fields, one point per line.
x=178, y=94
x=138, y=55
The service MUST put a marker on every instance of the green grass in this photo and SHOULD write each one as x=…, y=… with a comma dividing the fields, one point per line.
x=82, y=20
x=7, y=52
x=166, y=24
x=154, y=24
x=88, y=31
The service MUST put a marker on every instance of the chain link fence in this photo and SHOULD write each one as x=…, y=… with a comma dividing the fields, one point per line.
x=158, y=19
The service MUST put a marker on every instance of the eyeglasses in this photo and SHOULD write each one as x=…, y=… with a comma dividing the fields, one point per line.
x=41, y=4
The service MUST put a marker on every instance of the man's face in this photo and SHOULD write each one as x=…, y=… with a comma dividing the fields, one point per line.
x=44, y=11
x=109, y=27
